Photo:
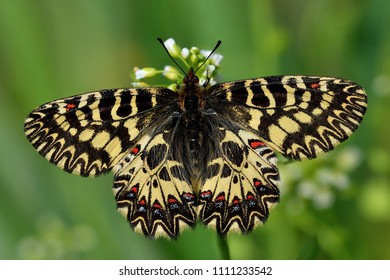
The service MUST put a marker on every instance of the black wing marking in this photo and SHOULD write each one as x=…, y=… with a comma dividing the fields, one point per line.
x=299, y=116
x=88, y=134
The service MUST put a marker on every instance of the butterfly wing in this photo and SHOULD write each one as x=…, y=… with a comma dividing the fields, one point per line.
x=239, y=184
x=88, y=134
x=298, y=116
x=153, y=190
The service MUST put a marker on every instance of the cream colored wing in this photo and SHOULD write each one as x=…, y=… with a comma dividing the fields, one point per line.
x=153, y=190
x=240, y=185
x=88, y=134
x=298, y=116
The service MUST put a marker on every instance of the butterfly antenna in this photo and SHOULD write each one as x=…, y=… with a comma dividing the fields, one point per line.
x=215, y=48
x=165, y=48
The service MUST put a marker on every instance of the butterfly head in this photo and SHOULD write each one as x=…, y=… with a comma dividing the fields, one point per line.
x=190, y=77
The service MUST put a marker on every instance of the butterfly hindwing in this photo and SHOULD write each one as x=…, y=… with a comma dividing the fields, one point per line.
x=241, y=183
x=153, y=190
x=298, y=116
x=88, y=134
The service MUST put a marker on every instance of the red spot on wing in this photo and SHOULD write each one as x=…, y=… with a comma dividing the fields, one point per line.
x=135, y=150
x=205, y=194
x=257, y=183
x=133, y=192
x=254, y=144
x=142, y=201
x=220, y=197
x=315, y=85
x=156, y=204
x=172, y=200
x=134, y=189
x=70, y=106
x=188, y=197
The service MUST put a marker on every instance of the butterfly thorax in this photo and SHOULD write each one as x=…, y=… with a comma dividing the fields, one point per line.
x=191, y=93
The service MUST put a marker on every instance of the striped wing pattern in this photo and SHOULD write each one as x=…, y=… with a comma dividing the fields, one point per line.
x=88, y=134
x=239, y=186
x=298, y=116
x=139, y=134
x=153, y=191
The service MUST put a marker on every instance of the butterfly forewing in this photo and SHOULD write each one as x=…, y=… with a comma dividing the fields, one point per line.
x=88, y=134
x=298, y=116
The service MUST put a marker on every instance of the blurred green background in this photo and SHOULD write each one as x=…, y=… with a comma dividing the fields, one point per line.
x=334, y=207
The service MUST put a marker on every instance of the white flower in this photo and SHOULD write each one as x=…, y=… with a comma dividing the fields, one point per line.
x=174, y=50
x=205, y=53
x=209, y=70
x=169, y=44
x=185, y=53
x=212, y=82
x=143, y=73
x=209, y=82
x=215, y=58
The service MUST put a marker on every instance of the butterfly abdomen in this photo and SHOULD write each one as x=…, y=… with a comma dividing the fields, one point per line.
x=192, y=123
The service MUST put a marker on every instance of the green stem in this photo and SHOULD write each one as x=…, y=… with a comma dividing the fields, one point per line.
x=224, y=248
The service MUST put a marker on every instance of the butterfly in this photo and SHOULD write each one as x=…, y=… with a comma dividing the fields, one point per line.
x=198, y=152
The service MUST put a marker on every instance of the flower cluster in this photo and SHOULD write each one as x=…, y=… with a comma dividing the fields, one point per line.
x=206, y=70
